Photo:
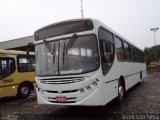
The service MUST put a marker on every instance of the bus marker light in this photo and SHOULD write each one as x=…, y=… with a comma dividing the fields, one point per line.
x=97, y=80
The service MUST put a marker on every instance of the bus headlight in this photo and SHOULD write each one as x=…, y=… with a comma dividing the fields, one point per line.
x=82, y=90
x=41, y=91
x=95, y=84
x=88, y=88
x=91, y=86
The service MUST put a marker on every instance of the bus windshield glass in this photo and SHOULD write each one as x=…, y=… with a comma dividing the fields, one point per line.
x=80, y=57
x=63, y=28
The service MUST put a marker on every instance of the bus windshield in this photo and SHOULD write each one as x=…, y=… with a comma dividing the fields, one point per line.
x=81, y=56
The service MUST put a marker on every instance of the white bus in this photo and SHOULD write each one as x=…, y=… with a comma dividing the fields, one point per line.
x=84, y=62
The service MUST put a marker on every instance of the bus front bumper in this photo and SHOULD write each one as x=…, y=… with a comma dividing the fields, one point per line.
x=88, y=98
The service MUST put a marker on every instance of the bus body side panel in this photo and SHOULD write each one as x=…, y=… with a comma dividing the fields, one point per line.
x=110, y=91
x=11, y=83
x=130, y=72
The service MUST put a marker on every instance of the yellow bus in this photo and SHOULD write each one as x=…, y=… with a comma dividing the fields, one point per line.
x=17, y=76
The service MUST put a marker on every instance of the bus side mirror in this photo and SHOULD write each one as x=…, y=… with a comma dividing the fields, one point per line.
x=29, y=48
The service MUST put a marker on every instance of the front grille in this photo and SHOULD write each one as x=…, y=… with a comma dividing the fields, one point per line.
x=63, y=102
x=61, y=80
x=67, y=91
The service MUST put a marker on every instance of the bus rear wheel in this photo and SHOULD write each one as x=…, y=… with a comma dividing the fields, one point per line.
x=121, y=91
x=24, y=91
x=141, y=78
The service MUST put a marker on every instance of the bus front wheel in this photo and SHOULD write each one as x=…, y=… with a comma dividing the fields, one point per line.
x=24, y=90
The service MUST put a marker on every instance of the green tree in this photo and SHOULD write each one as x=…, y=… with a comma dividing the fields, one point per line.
x=150, y=53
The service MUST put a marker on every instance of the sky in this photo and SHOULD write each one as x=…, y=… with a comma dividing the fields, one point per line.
x=132, y=19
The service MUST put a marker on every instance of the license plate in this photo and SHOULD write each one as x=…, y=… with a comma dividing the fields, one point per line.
x=61, y=99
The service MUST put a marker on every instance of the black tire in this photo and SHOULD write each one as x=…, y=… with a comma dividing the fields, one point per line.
x=141, y=75
x=24, y=90
x=141, y=78
x=121, y=91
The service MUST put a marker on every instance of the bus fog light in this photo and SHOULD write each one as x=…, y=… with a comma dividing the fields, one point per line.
x=43, y=91
x=39, y=89
x=82, y=90
x=88, y=88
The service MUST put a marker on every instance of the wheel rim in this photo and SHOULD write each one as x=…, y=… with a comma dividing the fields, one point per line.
x=24, y=91
x=121, y=92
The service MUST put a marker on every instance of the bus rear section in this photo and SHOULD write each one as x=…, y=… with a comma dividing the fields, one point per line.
x=17, y=75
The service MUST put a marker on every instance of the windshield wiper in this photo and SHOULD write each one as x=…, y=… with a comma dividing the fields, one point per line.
x=49, y=47
x=70, y=43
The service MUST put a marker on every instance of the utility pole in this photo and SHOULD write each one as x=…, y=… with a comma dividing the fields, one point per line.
x=82, y=8
x=154, y=31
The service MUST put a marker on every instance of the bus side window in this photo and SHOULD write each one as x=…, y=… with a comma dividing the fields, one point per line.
x=106, y=49
x=119, y=49
x=136, y=54
x=26, y=64
x=7, y=67
x=127, y=51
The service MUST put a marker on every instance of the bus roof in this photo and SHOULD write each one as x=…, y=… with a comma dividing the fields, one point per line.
x=15, y=52
x=70, y=20
x=97, y=23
